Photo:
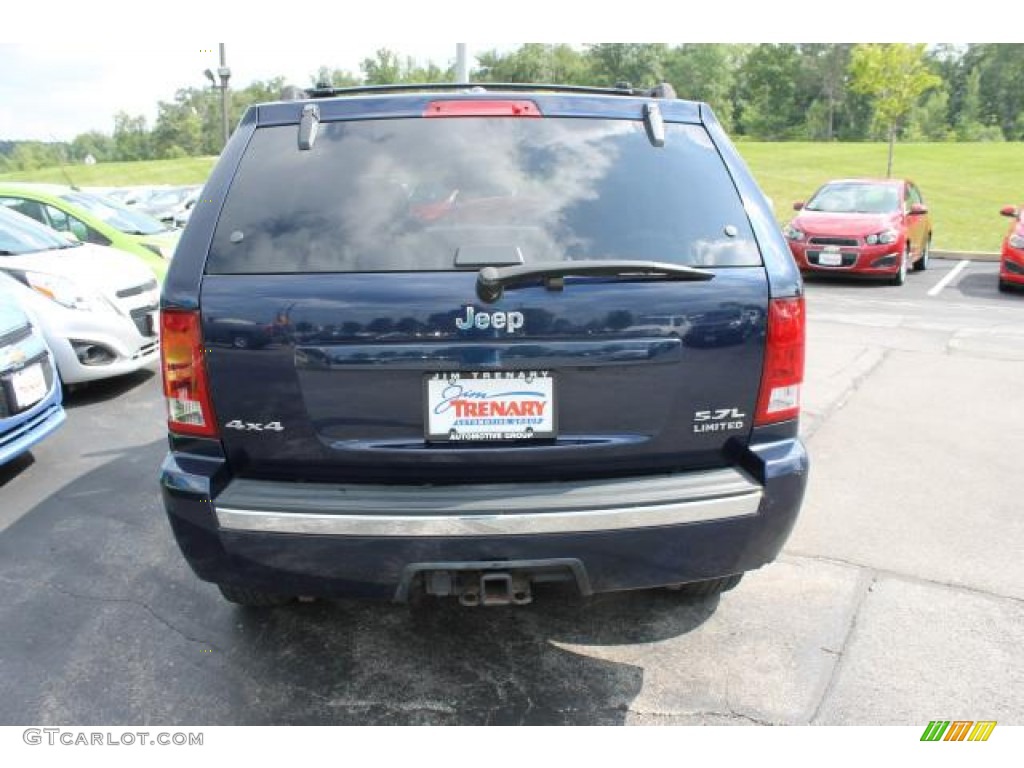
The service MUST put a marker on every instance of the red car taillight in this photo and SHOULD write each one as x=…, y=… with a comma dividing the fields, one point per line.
x=783, y=373
x=185, y=386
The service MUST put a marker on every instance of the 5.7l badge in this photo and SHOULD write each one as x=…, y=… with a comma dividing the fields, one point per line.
x=718, y=420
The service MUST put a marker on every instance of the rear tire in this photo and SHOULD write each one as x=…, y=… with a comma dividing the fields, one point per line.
x=922, y=263
x=252, y=598
x=703, y=590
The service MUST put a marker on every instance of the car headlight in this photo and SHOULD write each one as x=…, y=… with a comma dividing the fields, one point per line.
x=883, y=238
x=67, y=293
x=1016, y=241
x=792, y=233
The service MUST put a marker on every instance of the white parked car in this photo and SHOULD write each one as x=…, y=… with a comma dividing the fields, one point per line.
x=97, y=306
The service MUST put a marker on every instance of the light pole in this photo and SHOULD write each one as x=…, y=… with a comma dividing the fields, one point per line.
x=225, y=74
x=461, y=63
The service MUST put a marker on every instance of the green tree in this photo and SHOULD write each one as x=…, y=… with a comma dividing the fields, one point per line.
x=969, y=126
x=1001, y=95
x=824, y=80
x=894, y=76
x=639, y=64
x=929, y=121
x=705, y=72
x=769, y=99
x=179, y=124
x=131, y=137
x=94, y=143
x=336, y=78
x=387, y=68
x=27, y=156
x=534, y=63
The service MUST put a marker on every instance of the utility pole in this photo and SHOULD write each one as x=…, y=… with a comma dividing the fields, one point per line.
x=461, y=63
x=224, y=74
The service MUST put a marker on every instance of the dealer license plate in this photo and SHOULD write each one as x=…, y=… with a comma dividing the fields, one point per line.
x=829, y=258
x=29, y=386
x=489, y=406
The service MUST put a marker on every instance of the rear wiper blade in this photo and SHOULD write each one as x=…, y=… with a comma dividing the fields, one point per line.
x=491, y=282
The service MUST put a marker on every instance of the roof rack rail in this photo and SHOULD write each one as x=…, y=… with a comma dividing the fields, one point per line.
x=323, y=91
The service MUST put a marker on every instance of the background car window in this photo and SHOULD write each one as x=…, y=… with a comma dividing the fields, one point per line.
x=116, y=215
x=58, y=219
x=21, y=234
x=404, y=195
x=855, y=197
x=90, y=234
x=25, y=207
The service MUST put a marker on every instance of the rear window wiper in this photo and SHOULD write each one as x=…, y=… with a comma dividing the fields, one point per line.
x=491, y=282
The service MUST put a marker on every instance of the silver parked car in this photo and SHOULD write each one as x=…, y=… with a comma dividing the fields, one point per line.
x=171, y=205
x=97, y=306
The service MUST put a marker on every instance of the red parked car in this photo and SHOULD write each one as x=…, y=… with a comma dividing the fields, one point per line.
x=1011, y=265
x=876, y=228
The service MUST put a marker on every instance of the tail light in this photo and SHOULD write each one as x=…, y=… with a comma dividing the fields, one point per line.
x=783, y=373
x=185, y=386
x=482, y=108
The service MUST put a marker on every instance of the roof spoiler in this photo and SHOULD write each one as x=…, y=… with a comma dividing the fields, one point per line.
x=324, y=90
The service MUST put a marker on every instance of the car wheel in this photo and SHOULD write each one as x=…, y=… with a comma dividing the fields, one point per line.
x=922, y=263
x=901, y=275
x=1004, y=286
x=240, y=342
x=252, y=598
x=702, y=590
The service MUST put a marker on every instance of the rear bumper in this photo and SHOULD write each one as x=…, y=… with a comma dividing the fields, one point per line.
x=364, y=540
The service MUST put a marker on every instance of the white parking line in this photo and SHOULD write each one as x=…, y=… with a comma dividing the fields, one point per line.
x=948, y=278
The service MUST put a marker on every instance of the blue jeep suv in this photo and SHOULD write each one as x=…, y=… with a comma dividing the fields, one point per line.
x=506, y=335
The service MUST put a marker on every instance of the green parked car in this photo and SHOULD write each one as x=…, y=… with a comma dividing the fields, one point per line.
x=94, y=219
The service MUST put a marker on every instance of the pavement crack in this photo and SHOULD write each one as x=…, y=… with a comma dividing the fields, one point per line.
x=409, y=707
x=867, y=584
x=900, y=576
x=122, y=600
x=730, y=715
x=855, y=384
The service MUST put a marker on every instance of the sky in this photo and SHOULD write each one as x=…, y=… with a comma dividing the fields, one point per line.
x=61, y=90
x=68, y=71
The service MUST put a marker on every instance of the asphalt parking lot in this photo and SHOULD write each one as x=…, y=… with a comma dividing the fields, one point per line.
x=899, y=598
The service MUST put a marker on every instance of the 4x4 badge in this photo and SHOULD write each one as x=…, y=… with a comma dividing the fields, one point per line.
x=255, y=426
x=509, y=321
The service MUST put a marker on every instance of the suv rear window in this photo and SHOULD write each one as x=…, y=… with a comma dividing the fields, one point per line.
x=452, y=193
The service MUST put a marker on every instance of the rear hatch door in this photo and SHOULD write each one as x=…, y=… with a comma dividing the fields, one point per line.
x=348, y=338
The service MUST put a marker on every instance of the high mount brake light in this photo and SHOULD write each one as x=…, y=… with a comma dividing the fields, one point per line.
x=482, y=108
x=183, y=361
x=783, y=374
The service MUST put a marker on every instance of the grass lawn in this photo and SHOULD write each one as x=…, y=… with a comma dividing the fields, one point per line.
x=185, y=170
x=964, y=185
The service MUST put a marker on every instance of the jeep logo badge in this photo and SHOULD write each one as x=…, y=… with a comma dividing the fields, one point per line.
x=509, y=321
